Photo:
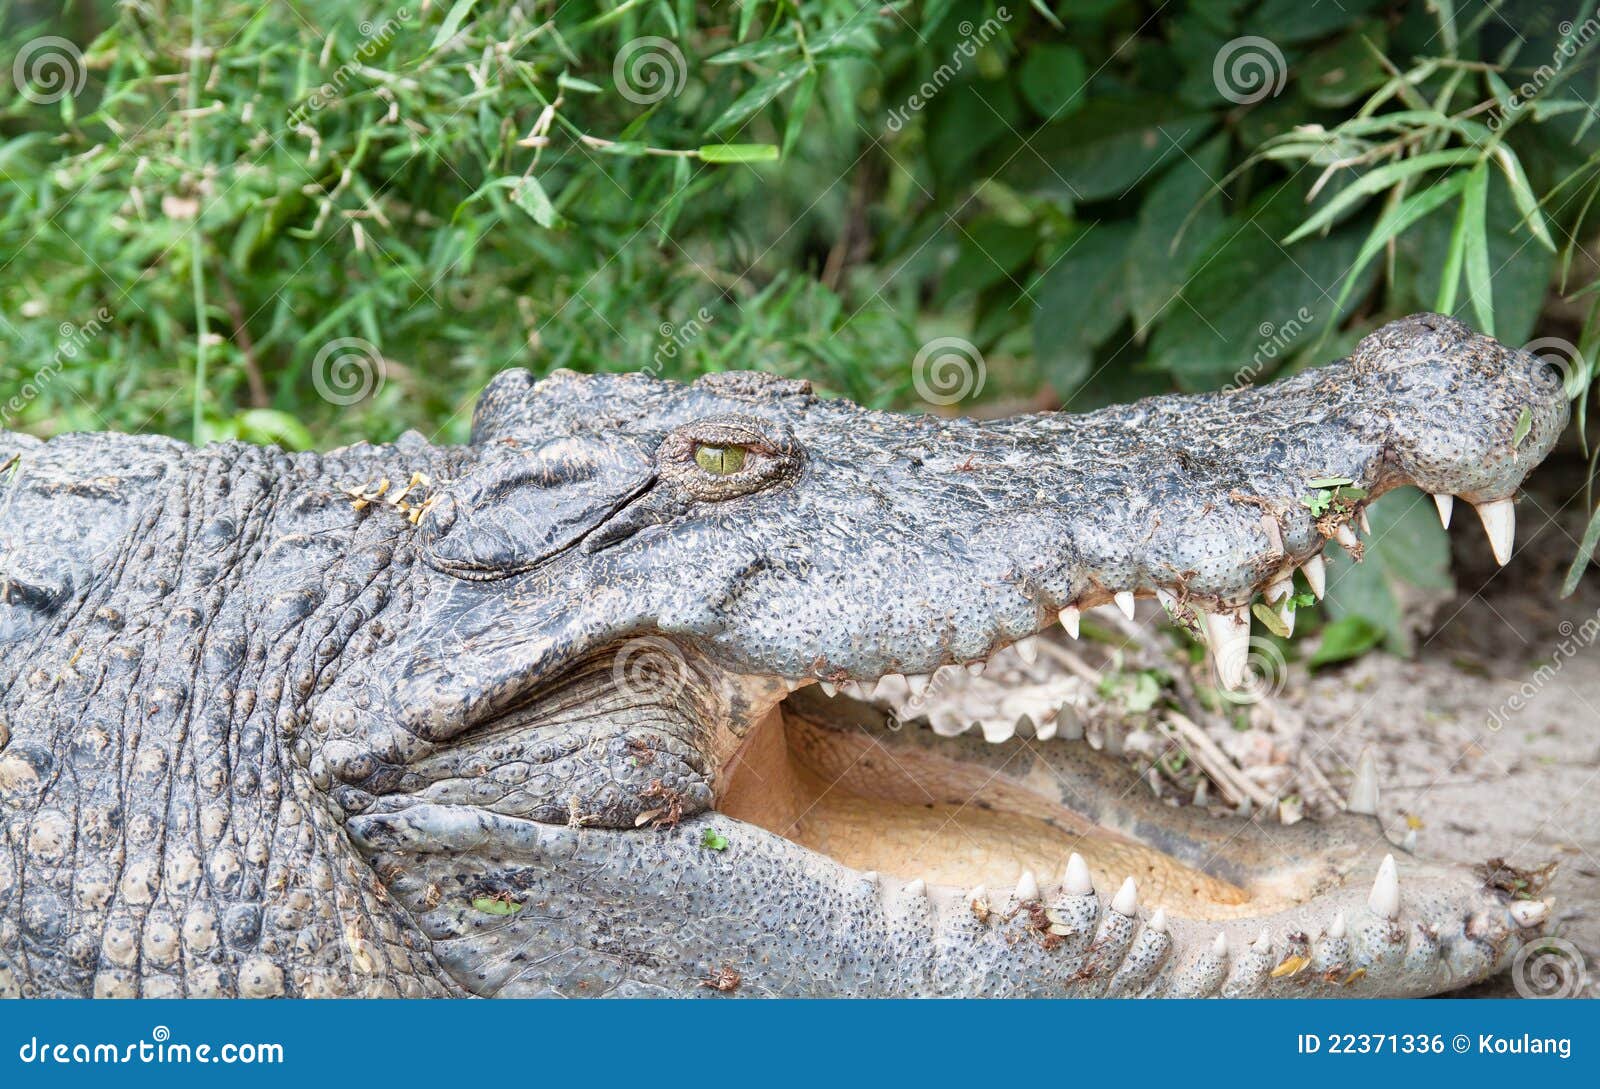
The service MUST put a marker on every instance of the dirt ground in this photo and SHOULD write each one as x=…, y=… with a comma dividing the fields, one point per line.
x=1489, y=742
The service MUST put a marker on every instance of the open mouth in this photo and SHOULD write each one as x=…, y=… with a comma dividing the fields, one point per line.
x=987, y=782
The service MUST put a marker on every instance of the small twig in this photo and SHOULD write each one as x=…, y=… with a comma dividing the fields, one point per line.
x=1205, y=752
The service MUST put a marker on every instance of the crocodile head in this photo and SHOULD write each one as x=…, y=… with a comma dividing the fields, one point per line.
x=684, y=687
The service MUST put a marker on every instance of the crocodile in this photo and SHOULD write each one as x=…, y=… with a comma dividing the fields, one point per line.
x=621, y=697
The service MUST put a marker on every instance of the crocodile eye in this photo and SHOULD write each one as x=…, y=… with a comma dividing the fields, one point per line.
x=726, y=456
x=719, y=460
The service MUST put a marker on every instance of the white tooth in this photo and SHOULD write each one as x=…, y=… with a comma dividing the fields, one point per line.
x=1408, y=842
x=1336, y=930
x=975, y=668
x=1364, y=790
x=919, y=887
x=1027, y=887
x=996, y=730
x=947, y=724
x=979, y=895
x=1385, y=897
x=1229, y=635
x=1280, y=589
x=828, y=690
x=1045, y=731
x=870, y=877
x=1169, y=600
x=1069, y=620
x=1366, y=526
x=1446, y=503
x=888, y=685
x=1028, y=649
x=1124, y=600
x=1500, y=523
x=1263, y=941
x=1202, y=792
x=1158, y=921
x=1220, y=945
x=1346, y=538
x=1077, y=881
x=1316, y=572
x=1286, y=617
x=1126, y=902
x=918, y=683
x=1529, y=912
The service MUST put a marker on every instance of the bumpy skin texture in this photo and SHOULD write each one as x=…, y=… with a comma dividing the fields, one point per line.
x=266, y=728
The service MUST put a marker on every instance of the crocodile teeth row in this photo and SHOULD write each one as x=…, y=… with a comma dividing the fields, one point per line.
x=1227, y=630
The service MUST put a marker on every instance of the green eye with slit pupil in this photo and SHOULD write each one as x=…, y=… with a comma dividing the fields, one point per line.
x=719, y=460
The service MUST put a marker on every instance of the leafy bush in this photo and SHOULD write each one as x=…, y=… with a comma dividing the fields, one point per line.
x=306, y=222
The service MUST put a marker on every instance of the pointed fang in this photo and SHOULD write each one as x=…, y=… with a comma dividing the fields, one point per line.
x=1077, y=881
x=1316, y=572
x=1446, y=503
x=1500, y=523
x=1124, y=600
x=1364, y=791
x=1069, y=620
x=1385, y=897
x=1126, y=902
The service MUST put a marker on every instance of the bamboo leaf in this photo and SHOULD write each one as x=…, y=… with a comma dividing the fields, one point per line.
x=1591, y=537
x=1475, y=215
x=1375, y=180
x=452, y=22
x=739, y=153
x=1394, y=223
x=1522, y=193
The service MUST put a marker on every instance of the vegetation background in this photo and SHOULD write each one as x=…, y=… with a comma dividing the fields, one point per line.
x=308, y=221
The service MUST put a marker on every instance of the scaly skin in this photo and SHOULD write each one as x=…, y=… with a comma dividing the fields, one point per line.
x=269, y=729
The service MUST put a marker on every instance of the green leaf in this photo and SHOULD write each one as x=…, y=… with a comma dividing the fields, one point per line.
x=1345, y=638
x=1052, y=80
x=1329, y=482
x=452, y=22
x=1580, y=562
x=1270, y=619
x=1522, y=194
x=1394, y=223
x=1081, y=300
x=992, y=251
x=764, y=91
x=738, y=153
x=1375, y=180
x=1177, y=220
x=1407, y=556
x=494, y=905
x=1474, y=210
x=1524, y=425
x=1108, y=147
x=529, y=195
x=714, y=840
